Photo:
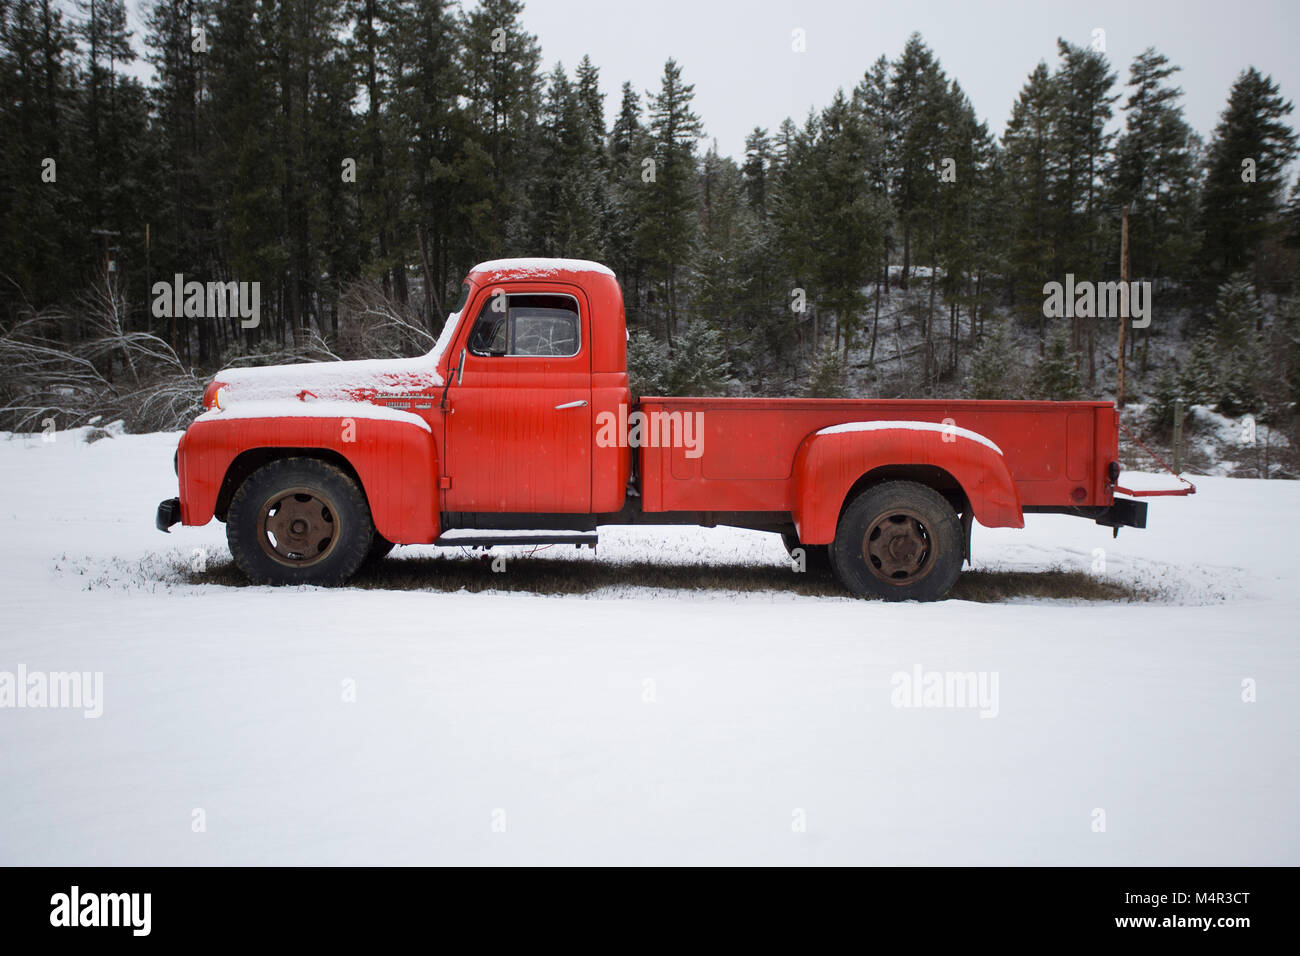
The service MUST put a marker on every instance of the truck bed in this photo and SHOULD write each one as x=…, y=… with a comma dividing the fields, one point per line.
x=748, y=446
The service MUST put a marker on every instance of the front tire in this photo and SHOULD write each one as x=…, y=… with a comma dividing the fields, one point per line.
x=299, y=521
x=900, y=541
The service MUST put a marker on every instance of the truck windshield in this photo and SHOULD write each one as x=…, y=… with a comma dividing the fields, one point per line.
x=464, y=297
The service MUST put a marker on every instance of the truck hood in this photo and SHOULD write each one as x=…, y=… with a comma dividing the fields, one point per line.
x=334, y=381
x=325, y=381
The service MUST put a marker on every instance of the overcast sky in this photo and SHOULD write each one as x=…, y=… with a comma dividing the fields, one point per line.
x=738, y=52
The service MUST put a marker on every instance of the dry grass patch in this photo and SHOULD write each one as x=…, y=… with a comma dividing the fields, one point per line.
x=526, y=575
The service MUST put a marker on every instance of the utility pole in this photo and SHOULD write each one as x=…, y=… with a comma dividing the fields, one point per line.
x=1178, y=436
x=105, y=234
x=1124, y=312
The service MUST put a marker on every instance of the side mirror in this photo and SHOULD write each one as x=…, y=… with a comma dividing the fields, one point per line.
x=460, y=375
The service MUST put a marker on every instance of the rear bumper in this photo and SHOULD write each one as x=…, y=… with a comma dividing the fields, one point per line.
x=1124, y=513
x=169, y=513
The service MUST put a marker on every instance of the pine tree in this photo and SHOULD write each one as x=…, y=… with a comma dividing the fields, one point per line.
x=758, y=164
x=1200, y=379
x=1168, y=389
x=1083, y=146
x=242, y=156
x=502, y=87
x=1082, y=111
x=668, y=200
x=627, y=147
x=1245, y=169
x=990, y=375
x=917, y=88
x=847, y=234
x=1238, y=346
x=182, y=227
x=795, y=231
x=591, y=103
x=871, y=101
x=43, y=244
x=698, y=364
x=563, y=204
x=421, y=169
x=827, y=377
x=1030, y=161
x=963, y=237
x=1155, y=171
x=1055, y=376
x=726, y=229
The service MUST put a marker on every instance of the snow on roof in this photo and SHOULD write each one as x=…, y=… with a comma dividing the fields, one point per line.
x=540, y=268
x=910, y=426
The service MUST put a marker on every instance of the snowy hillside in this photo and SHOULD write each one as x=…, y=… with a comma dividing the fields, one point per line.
x=631, y=723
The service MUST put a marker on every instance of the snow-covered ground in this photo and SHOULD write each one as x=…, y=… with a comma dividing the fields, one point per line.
x=635, y=725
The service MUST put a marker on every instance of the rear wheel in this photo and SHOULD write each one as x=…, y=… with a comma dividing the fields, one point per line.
x=299, y=521
x=900, y=541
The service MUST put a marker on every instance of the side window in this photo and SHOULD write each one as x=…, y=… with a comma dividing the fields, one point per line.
x=531, y=325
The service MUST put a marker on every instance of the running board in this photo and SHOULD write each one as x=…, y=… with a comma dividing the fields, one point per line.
x=488, y=541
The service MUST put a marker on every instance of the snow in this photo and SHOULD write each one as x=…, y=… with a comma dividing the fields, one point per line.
x=910, y=427
x=640, y=725
x=311, y=408
x=337, y=380
x=536, y=268
x=440, y=347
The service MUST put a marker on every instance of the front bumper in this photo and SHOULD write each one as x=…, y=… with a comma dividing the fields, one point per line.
x=169, y=513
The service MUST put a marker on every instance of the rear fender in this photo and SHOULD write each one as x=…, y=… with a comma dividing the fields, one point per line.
x=394, y=459
x=831, y=462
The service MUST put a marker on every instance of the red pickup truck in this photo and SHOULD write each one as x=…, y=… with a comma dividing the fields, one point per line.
x=521, y=419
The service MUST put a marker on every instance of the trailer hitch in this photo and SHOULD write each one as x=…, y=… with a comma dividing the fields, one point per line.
x=1155, y=492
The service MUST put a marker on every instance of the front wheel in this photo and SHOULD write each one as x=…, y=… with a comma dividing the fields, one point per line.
x=900, y=541
x=299, y=521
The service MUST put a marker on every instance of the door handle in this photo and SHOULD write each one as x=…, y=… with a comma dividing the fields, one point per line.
x=578, y=404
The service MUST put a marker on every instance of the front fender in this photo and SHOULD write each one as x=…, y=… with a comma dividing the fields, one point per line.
x=830, y=462
x=394, y=456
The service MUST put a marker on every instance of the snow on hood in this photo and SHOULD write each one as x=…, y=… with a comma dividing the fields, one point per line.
x=539, y=268
x=910, y=426
x=338, y=380
x=292, y=408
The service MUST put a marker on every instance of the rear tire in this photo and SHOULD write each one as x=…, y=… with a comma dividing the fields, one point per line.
x=900, y=541
x=299, y=521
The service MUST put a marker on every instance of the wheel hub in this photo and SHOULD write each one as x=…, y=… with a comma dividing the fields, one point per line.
x=897, y=548
x=298, y=527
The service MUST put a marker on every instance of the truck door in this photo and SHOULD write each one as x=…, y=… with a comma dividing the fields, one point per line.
x=519, y=427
